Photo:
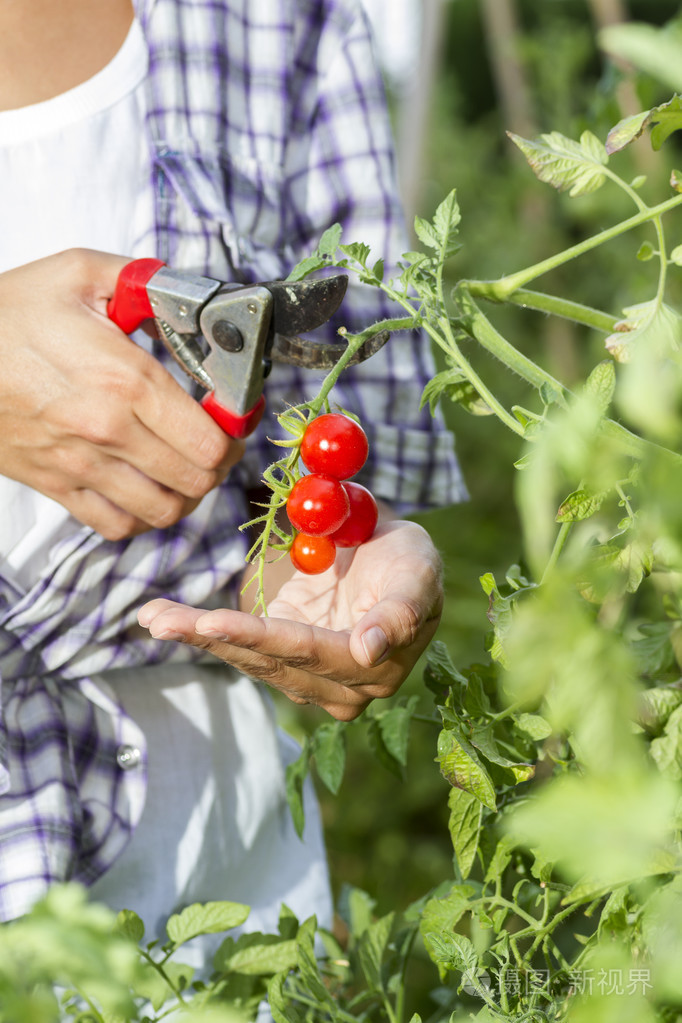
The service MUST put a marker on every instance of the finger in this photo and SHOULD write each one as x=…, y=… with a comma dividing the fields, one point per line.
x=277, y=652
x=393, y=624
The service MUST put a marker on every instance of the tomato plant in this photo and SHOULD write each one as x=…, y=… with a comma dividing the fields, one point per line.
x=334, y=444
x=362, y=517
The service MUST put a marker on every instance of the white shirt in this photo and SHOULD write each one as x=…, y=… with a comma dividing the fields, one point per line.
x=215, y=824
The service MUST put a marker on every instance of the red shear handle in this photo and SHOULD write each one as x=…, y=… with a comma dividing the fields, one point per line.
x=130, y=303
x=232, y=424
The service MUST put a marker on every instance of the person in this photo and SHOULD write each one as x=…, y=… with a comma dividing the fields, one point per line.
x=222, y=138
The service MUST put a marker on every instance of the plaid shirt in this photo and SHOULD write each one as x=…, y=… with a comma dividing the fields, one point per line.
x=266, y=123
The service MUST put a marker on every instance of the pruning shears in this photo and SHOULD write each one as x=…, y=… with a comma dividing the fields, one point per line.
x=226, y=336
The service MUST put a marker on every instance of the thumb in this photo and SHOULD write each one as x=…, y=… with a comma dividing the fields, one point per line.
x=394, y=623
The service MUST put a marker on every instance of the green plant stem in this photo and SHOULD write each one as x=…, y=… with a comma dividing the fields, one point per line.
x=559, y=545
x=440, y=331
x=160, y=970
x=502, y=288
x=565, y=308
x=476, y=323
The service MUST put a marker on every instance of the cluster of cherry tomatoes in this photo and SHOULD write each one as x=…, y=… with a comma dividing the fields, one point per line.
x=326, y=508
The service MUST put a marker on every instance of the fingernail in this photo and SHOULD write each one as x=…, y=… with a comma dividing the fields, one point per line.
x=167, y=634
x=210, y=633
x=375, y=644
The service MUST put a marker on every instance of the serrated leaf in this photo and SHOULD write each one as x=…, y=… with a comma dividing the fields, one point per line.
x=534, y=726
x=483, y=738
x=129, y=925
x=440, y=672
x=446, y=220
x=295, y=776
x=442, y=914
x=308, y=965
x=626, y=131
x=357, y=251
x=666, y=750
x=372, y=949
x=452, y=384
x=329, y=750
x=426, y=233
x=329, y=242
x=656, y=51
x=306, y=267
x=500, y=860
x=394, y=725
x=580, y=505
x=460, y=765
x=268, y=955
x=569, y=166
x=205, y=918
x=601, y=384
x=663, y=120
x=466, y=815
x=282, y=1008
x=451, y=952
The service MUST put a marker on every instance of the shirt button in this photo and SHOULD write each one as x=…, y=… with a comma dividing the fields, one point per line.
x=128, y=757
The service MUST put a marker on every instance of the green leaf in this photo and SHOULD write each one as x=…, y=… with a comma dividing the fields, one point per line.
x=500, y=860
x=442, y=914
x=646, y=252
x=129, y=925
x=257, y=955
x=452, y=384
x=282, y=1008
x=580, y=505
x=205, y=918
x=626, y=131
x=329, y=750
x=483, y=739
x=394, y=725
x=446, y=220
x=601, y=384
x=466, y=815
x=306, y=267
x=426, y=233
x=329, y=242
x=451, y=952
x=534, y=726
x=676, y=180
x=308, y=965
x=476, y=701
x=372, y=949
x=296, y=774
x=656, y=51
x=656, y=706
x=460, y=765
x=378, y=746
x=440, y=672
x=676, y=255
x=573, y=167
x=357, y=251
x=667, y=749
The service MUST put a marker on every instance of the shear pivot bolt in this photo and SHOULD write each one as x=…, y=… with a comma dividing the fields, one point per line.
x=227, y=336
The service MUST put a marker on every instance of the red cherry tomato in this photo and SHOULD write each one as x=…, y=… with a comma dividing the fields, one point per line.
x=362, y=518
x=334, y=444
x=317, y=504
x=312, y=554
